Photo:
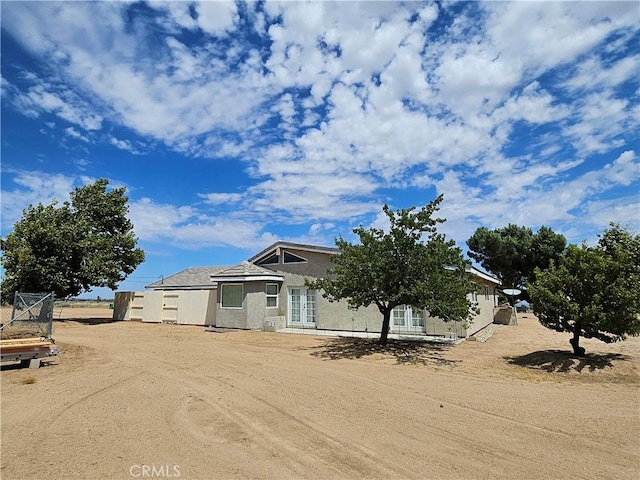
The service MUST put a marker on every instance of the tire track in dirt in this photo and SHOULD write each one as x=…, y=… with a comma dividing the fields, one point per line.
x=249, y=421
x=330, y=451
x=518, y=423
x=69, y=405
x=508, y=456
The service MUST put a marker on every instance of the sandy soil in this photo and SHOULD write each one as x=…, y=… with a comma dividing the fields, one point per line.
x=130, y=400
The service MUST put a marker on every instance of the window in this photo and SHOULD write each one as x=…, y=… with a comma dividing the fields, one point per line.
x=273, y=259
x=417, y=318
x=398, y=316
x=474, y=297
x=231, y=296
x=272, y=295
x=291, y=258
x=486, y=292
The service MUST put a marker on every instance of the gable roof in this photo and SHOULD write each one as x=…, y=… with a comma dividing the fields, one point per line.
x=245, y=272
x=192, y=278
x=293, y=246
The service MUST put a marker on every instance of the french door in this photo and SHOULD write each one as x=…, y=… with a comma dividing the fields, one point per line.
x=302, y=307
x=407, y=318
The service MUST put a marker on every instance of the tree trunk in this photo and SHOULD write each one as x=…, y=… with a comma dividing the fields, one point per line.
x=575, y=342
x=385, y=327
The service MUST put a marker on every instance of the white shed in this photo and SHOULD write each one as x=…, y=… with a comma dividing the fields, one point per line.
x=188, y=297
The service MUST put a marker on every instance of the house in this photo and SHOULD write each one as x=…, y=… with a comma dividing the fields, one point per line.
x=268, y=292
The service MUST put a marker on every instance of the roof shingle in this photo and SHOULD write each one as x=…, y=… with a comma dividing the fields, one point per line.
x=189, y=278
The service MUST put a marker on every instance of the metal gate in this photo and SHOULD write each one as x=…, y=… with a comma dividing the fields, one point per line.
x=32, y=316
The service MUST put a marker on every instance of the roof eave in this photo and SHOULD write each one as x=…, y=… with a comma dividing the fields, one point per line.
x=248, y=278
x=181, y=287
x=485, y=276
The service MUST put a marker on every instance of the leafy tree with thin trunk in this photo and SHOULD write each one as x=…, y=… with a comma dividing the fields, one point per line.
x=592, y=292
x=411, y=264
x=70, y=248
x=513, y=253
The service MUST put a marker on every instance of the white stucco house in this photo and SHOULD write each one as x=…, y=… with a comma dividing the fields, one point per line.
x=267, y=292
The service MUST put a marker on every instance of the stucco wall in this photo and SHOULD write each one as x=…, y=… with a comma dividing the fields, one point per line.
x=436, y=326
x=332, y=316
x=253, y=312
x=337, y=316
x=232, y=317
x=486, y=305
x=256, y=304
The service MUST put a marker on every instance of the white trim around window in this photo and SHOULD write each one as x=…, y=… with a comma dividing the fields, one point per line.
x=271, y=292
x=231, y=295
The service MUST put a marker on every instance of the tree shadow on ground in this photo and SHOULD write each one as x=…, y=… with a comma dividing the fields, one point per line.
x=88, y=321
x=564, y=361
x=405, y=352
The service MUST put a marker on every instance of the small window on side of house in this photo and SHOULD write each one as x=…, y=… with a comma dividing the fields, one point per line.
x=474, y=297
x=231, y=295
x=271, y=291
x=486, y=292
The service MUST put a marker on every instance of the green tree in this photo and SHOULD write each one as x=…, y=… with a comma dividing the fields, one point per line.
x=70, y=248
x=412, y=264
x=513, y=253
x=592, y=292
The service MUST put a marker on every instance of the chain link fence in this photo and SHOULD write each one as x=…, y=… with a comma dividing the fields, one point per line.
x=31, y=315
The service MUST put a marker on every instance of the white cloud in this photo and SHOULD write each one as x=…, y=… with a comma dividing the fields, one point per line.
x=625, y=211
x=625, y=170
x=496, y=109
x=124, y=145
x=303, y=197
x=59, y=101
x=592, y=73
x=533, y=105
x=219, y=198
x=216, y=17
x=179, y=12
x=542, y=35
x=72, y=132
x=474, y=79
x=189, y=228
x=32, y=188
x=598, y=120
x=541, y=197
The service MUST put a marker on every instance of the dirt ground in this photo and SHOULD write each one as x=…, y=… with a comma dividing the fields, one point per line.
x=130, y=400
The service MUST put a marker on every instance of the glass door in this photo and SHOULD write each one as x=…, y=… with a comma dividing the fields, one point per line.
x=407, y=318
x=302, y=307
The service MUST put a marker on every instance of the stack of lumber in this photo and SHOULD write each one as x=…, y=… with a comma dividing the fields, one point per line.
x=17, y=349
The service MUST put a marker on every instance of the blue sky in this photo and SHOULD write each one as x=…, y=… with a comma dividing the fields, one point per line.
x=236, y=125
